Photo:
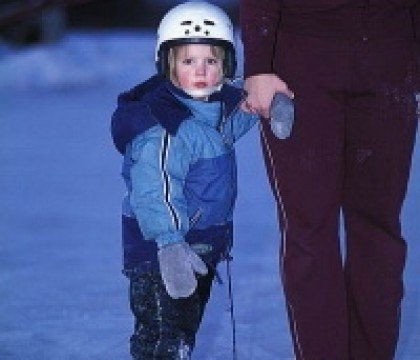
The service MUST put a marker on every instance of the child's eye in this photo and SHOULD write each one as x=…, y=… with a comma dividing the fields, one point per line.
x=187, y=61
x=212, y=61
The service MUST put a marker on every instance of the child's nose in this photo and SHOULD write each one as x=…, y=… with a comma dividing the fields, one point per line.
x=201, y=68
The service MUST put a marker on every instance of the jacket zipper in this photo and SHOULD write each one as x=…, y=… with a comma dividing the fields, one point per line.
x=194, y=219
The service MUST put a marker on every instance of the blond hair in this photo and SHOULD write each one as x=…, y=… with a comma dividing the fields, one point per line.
x=217, y=51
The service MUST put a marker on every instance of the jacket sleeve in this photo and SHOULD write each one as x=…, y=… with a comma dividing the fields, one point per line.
x=259, y=20
x=240, y=123
x=158, y=174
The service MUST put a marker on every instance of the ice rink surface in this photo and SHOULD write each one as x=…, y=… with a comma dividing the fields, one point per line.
x=62, y=293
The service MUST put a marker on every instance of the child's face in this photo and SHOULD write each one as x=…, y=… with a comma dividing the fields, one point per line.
x=196, y=67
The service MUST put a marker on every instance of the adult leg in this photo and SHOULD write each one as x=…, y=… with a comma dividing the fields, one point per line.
x=306, y=173
x=380, y=130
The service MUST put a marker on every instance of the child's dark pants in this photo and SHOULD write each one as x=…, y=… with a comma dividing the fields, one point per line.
x=165, y=328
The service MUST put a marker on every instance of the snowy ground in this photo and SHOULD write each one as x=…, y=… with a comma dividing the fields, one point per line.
x=62, y=295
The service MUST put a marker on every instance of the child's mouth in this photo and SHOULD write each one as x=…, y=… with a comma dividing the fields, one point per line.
x=200, y=85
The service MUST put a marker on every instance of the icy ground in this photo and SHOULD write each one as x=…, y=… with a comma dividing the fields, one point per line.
x=62, y=296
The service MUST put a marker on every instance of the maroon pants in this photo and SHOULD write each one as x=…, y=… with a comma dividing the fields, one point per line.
x=350, y=154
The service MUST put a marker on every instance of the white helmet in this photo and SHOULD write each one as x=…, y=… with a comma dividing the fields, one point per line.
x=195, y=22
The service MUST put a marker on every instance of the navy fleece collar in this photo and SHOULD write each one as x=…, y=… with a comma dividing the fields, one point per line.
x=170, y=112
x=156, y=96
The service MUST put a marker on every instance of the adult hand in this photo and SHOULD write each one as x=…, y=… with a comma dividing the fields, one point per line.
x=261, y=90
x=178, y=264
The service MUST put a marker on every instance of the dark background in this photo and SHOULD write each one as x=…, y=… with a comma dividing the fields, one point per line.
x=32, y=21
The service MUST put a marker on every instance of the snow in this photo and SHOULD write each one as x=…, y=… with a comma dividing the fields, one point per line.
x=62, y=293
x=76, y=62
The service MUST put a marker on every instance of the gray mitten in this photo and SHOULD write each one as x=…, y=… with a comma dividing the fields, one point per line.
x=178, y=264
x=282, y=115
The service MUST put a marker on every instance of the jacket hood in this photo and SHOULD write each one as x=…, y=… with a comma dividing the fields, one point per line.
x=153, y=102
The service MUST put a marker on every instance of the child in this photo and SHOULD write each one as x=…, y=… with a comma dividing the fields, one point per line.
x=176, y=132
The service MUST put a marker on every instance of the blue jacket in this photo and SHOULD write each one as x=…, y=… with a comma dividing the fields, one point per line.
x=179, y=168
